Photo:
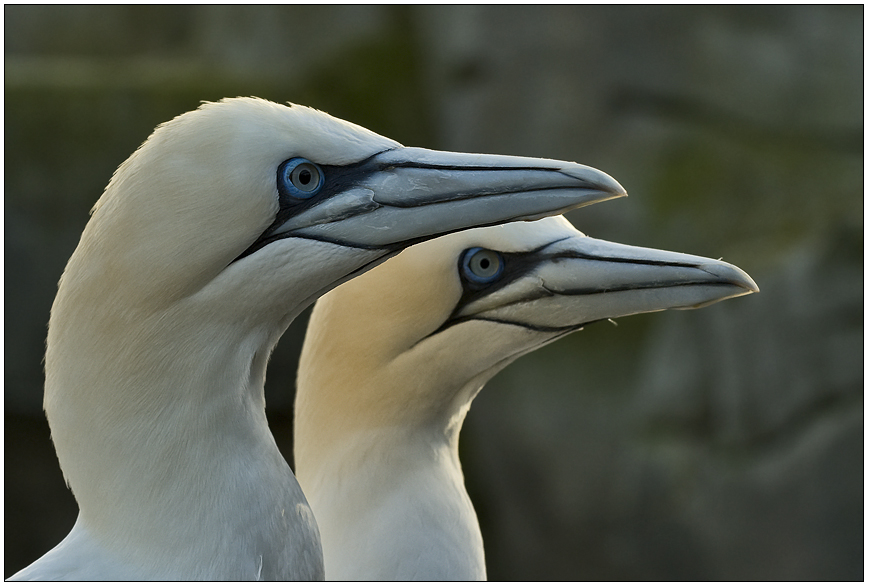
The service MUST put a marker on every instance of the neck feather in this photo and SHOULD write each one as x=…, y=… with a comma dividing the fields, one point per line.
x=159, y=425
x=392, y=505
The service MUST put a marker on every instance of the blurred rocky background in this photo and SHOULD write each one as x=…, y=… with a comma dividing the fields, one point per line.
x=719, y=444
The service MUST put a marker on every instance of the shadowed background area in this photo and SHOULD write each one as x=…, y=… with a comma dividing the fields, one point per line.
x=719, y=444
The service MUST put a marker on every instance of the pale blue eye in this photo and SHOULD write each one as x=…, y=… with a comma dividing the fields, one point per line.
x=482, y=265
x=299, y=178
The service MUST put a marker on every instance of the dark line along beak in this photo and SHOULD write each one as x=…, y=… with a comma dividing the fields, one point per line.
x=581, y=280
x=406, y=195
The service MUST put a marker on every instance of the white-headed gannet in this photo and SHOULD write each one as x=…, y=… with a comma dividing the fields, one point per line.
x=206, y=243
x=393, y=359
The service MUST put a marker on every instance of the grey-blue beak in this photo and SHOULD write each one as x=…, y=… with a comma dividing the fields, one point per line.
x=579, y=280
x=405, y=195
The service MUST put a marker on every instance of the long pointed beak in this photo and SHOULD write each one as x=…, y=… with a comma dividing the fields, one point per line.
x=579, y=280
x=405, y=195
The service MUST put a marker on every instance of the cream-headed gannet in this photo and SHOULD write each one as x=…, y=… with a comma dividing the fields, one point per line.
x=206, y=243
x=393, y=359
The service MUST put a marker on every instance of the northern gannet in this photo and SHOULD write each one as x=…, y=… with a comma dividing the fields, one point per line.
x=393, y=359
x=206, y=243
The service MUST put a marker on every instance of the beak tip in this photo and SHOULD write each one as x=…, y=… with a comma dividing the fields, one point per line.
x=594, y=179
x=615, y=187
x=745, y=281
x=733, y=275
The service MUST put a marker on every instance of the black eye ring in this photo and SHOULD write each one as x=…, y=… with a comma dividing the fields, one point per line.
x=299, y=178
x=482, y=266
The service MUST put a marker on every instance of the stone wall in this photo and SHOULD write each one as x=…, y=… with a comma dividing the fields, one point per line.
x=718, y=444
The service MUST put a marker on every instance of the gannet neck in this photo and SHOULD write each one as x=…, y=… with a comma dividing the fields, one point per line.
x=160, y=411
x=403, y=490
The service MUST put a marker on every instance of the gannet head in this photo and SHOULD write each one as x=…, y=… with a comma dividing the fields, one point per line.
x=417, y=337
x=244, y=188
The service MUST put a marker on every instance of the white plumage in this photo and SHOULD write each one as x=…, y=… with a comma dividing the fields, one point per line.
x=206, y=244
x=393, y=359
